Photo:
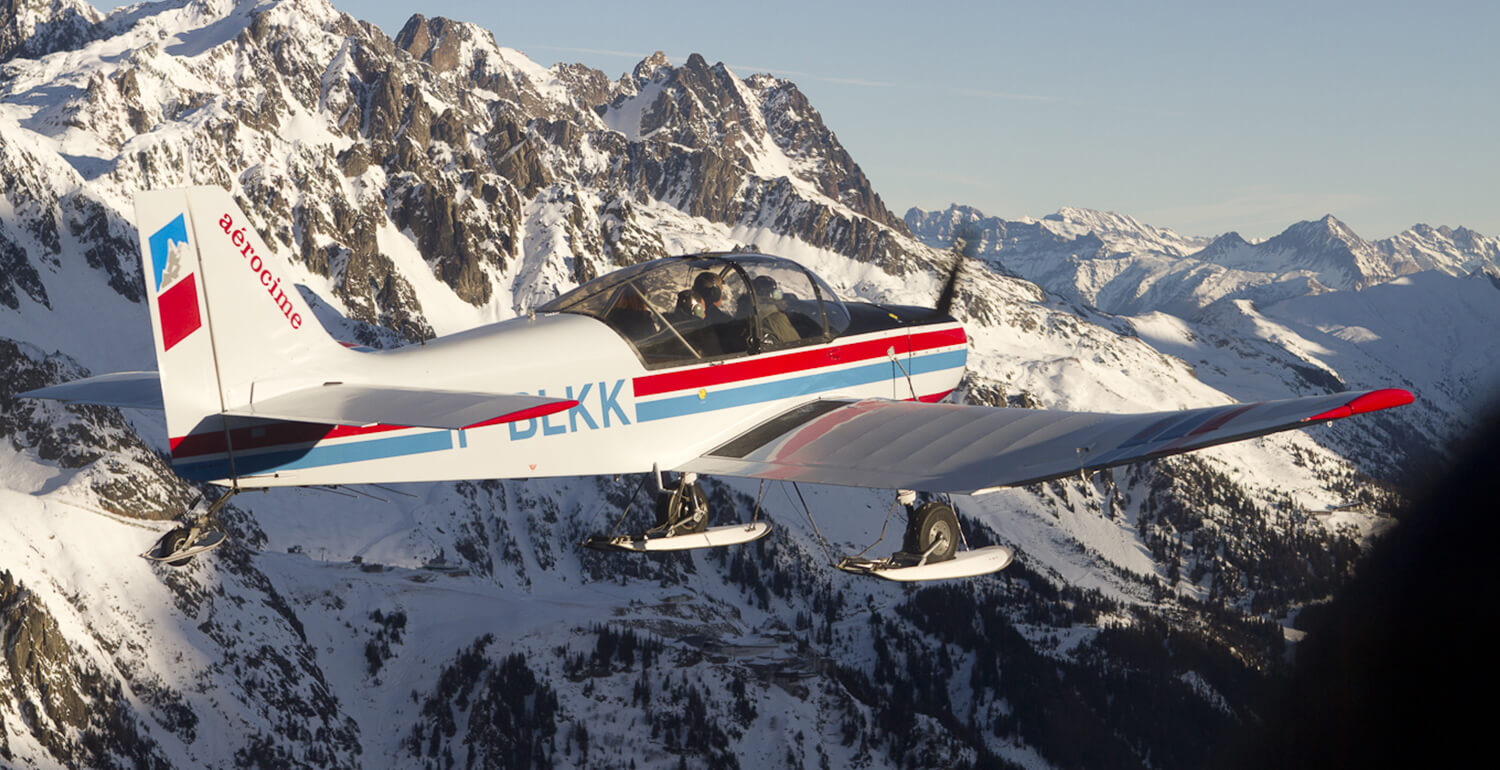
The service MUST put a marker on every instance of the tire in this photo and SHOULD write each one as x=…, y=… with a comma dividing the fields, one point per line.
x=681, y=503
x=930, y=522
x=171, y=542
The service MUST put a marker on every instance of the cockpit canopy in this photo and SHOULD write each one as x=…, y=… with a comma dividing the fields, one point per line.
x=680, y=310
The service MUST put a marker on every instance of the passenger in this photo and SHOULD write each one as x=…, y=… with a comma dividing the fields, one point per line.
x=690, y=308
x=630, y=315
x=774, y=324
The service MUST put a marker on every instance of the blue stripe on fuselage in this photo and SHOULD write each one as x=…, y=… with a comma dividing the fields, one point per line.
x=316, y=456
x=728, y=398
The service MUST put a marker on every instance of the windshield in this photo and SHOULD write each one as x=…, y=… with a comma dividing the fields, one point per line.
x=684, y=309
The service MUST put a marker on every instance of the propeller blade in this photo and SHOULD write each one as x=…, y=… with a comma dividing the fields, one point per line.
x=962, y=245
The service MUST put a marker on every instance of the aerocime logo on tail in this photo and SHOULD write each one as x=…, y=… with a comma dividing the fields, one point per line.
x=177, y=306
x=262, y=272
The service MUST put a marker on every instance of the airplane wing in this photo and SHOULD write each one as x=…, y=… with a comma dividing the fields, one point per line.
x=977, y=449
x=333, y=404
x=135, y=390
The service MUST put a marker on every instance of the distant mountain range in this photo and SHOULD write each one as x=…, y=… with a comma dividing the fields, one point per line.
x=1122, y=266
x=431, y=181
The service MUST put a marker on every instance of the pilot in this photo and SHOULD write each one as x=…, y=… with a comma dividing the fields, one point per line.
x=710, y=287
x=731, y=333
x=775, y=326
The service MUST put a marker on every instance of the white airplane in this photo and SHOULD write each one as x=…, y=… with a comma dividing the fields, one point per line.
x=729, y=364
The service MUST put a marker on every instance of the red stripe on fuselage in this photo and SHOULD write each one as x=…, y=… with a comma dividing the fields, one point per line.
x=932, y=398
x=802, y=360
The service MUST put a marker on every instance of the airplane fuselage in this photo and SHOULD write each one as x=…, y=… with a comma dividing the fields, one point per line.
x=627, y=419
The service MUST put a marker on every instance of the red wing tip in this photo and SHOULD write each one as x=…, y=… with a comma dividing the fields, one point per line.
x=1373, y=401
x=1381, y=399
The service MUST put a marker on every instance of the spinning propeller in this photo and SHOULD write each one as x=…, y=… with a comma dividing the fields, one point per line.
x=963, y=245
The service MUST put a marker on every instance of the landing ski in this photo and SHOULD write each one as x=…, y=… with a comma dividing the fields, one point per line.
x=713, y=537
x=191, y=546
x=980, y=561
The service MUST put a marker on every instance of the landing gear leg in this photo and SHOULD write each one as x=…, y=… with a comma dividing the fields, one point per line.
x=681, y=507
x=180, y=545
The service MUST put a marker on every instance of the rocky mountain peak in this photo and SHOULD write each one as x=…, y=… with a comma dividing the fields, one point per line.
x=699, y=106
x=650, y=68
x=752, y=144
x=1326, y=248
x=1222, y=246
x=797, y=129
x=437, y=41
x=938, y=228
x=1231, y=239
x=1120, y=233
x=1452, y=250
x=31, y=29
x=1325, y=232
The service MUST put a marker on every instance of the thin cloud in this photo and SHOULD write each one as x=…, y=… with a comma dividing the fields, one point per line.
x=738, y=68
x=1007, y=96
x=862, y=82
x=948, y=177
x=593, y=51
x=1261, y=210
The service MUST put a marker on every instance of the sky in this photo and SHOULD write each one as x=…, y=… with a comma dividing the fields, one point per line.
x=1200, y=116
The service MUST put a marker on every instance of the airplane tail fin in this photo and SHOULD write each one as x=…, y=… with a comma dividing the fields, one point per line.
x=225, y=315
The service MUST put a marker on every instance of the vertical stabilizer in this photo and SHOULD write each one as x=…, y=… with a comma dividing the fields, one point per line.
x=225, y=315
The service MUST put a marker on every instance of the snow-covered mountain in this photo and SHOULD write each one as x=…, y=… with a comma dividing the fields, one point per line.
x=1121, y=266
x=1302, y=311
x=435, y=180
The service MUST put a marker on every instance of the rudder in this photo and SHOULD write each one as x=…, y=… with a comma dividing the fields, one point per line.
x=225, y=315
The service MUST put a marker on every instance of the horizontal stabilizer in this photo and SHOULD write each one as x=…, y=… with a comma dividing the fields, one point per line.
x=340, y=404
x=133, y=390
